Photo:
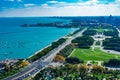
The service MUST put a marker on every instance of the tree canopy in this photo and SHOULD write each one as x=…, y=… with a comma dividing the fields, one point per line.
x=112, y=63
x=84, y=41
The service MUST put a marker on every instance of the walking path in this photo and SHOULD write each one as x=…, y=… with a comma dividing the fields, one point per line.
x=88, y=62
x=100, y=38
x=72, y=53
x=99, y=63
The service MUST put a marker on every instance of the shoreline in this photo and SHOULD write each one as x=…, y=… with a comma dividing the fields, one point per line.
x=39, y=50
x=49, y=45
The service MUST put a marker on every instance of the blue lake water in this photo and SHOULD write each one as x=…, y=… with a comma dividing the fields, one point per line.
x=21, y=42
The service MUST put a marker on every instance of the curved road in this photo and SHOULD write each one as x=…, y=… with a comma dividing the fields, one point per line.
x=38, y=65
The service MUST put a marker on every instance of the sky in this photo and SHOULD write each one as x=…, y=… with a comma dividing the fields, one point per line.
x=26, y=8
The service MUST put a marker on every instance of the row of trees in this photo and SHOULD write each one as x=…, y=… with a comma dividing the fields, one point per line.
x=73, y=60
x=63, y=56
x=66, y=51
x=57, y=43
x=81, y=28
x=112, y=43
x=40, y=54
x=84, y=41
x=46, y=50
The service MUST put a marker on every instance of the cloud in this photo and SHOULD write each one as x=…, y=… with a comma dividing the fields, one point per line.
x=56, y=3
x=80, y=3
x=29, y=5
x=117, y=2
x=45, y=6
x=92, y=2
x=53, y=2
x=59, y=8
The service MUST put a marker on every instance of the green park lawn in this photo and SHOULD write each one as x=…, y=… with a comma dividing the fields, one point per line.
x=100, y=30
x=88, y=54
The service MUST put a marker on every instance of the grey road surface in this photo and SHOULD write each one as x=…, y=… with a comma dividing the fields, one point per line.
x=38, y=65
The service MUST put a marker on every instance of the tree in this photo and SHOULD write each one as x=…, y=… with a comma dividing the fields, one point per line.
x=84, y=41
x=89, y=32
x=98, y=69
x=82, y=69
x=24, y=63
x=73, y=60
x=66, y=51
x=112, y=63
x=6, y=67
x=59, y=58
x=112, y=43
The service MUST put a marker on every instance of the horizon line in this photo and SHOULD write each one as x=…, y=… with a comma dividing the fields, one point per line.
x=59, y=16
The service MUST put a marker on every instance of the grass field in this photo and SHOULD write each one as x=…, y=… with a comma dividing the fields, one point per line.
x=88, y=54
x=100, y=30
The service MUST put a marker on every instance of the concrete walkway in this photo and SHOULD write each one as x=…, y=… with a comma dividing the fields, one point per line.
x=88, y=62
x=99, y=63
x=103, y=37
x=100, y=38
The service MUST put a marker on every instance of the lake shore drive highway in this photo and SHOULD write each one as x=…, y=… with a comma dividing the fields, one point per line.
x=38, y=65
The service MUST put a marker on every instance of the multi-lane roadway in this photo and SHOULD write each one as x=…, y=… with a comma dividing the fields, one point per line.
x=38, y=65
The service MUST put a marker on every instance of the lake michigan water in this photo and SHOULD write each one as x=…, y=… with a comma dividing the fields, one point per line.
x=22, y=42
